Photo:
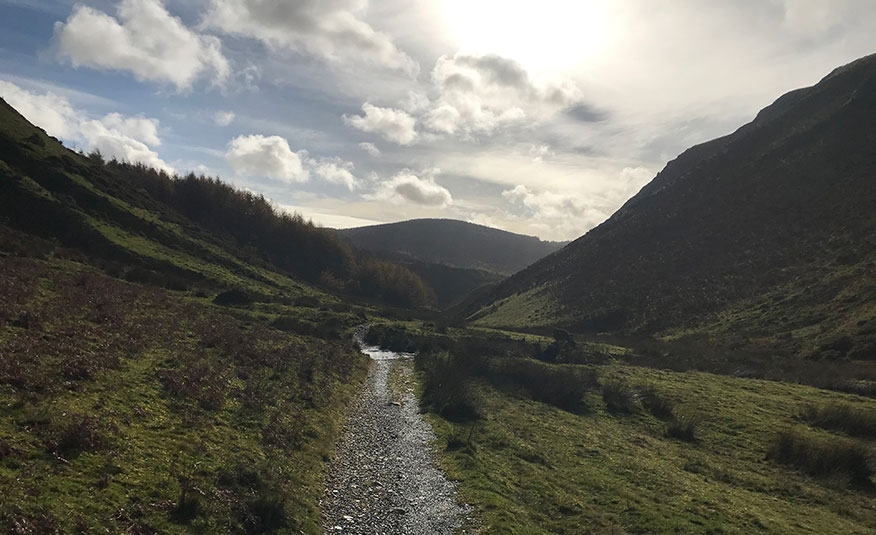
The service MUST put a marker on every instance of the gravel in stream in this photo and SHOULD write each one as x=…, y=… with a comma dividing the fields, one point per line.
x=383, y=479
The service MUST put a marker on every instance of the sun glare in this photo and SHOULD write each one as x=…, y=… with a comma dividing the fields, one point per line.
x=546, y=36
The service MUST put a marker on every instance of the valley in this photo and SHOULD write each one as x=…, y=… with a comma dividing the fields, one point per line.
x=181, y=355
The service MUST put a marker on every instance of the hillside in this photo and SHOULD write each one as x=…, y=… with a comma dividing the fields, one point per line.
x=765, y=238
x=452, y=243
x=174, y=353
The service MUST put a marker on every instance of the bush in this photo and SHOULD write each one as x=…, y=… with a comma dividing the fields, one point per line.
x=233, y=297
x=561, y=386
x=654, y=402
x=842, y=417
x=73, y=433
x=618, y=396
x=448, y=389
x=683, y=428
x=837, y=460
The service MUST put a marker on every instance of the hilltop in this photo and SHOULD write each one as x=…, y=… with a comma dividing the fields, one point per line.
x=765, y=238
x=451, y=243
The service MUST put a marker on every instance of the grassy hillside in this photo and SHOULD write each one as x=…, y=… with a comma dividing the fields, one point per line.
x=451, y=243
x=133, y=409
x=764, y=239
x=160, y=373
x=607, y=447
x=453, y=285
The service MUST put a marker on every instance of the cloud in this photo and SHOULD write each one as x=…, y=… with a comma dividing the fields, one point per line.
x=370, y=148
x=145, y=40
x=115, y=135
x=134, y=127
x=328, y=29
x=336, y=171
x=569, y=214
x=223, y=118
x=271, y=157
x=406, y=187
x=48, y=111
x=394, y=125
x=266, y=156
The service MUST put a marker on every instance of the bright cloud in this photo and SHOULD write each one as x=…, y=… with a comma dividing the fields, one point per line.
x=115, y=135
x=406, y=187
x=266, y=156
x=145, y=40
x=394, y=125
x=336, y=171
x=332, y=30
x=271, y=157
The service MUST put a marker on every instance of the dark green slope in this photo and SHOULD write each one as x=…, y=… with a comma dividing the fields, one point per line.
x=764, y=237
x=452, y=243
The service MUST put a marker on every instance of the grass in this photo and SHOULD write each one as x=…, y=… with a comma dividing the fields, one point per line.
x=853, y=420
x=127, y=408
x=531, y=467
x=836, y=460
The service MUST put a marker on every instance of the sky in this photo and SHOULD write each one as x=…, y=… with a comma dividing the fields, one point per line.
x=538, y=117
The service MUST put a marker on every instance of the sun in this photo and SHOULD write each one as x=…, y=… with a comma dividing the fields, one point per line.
x=545, y=36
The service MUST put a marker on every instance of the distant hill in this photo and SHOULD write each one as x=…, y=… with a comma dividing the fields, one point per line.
x=765, y=238
x=451, y=243
x=453, y=285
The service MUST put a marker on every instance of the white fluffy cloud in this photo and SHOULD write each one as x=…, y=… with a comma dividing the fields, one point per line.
x=329, y=29
x=266, y=156
x=473, y=95
x=478, y=94
x=145, y=40
x=406, y=187
x=394, y=125
x=271, y=157
x=134, y=127
x=115, y=135
x=335, y=171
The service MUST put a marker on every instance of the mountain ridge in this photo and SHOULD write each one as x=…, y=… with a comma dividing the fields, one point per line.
x=786, y=198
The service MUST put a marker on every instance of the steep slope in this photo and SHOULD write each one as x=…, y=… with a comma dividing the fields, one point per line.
x=178, y=232
x=763, y=237
x=452, y=243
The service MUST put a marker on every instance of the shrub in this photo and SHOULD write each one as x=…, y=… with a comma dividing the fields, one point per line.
x=73, y=433
x=837, y=460
x=448, y=388
x=561, y=386
x=842, y=417
x=265, y=514
x=654, y=402
x=233, y=297
x=683, y=428
x=618, y=396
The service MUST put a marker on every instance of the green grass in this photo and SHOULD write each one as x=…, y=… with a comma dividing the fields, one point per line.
x=529, y=467
x=533, y=308
x=251, y=434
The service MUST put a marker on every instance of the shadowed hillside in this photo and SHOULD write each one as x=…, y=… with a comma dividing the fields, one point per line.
x=452, y=243
x=765, y=238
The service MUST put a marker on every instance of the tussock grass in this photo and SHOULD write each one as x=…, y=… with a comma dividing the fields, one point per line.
x=836, y=460
x=858, y=422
